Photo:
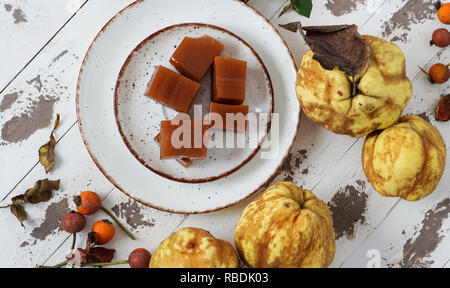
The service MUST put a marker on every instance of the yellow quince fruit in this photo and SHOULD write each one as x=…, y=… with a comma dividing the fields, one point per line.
x=194, y=248
x=382, y=91
x=286, y=226
x=406, y=160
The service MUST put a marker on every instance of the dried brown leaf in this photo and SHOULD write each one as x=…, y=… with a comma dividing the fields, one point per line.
x=42, y=196
x=93, y=255
x=47, y=151
x=285, y=9
x=57, y=122
x=41, y=192
x=100, y=255
x=338, y=46
x=46, y=184
x=327, y=28
x=18, y=200
x=19, y=212
x=293, y=26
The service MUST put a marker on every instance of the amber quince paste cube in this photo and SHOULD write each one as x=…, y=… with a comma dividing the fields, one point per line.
x=229, y=76
x=185, y=161
x=172, y=89
x=194, y=56
x=236, y=113
x=183, y=139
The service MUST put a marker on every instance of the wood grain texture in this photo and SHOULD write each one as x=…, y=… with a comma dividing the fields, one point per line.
x=46, y=87
x=26, y=26
x=323, y=162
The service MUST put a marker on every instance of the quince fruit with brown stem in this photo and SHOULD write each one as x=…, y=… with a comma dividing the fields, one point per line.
x=359, y=104
x=406, y=160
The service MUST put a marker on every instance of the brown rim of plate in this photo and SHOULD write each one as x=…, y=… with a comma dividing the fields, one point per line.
x=80, y=125
x=164, y=174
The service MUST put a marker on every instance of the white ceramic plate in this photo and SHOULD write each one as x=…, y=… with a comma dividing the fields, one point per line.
x=138, y=117
x=95, y=102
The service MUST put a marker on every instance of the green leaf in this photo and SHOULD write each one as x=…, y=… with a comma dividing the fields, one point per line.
x=303, y=7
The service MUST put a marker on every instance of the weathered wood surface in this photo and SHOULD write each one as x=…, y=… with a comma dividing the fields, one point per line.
x=41, y=56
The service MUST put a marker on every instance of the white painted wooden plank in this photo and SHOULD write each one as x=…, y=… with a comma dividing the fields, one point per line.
x=25, y=27
x=41, y=236
x=62, y=127
x=46, y=87
x=377, y=206
x=409, y=24
x=332, y=173
x=388, y=237
x=74, y=151
x=221, y=224
x=26, y=125
x=148, y=225
x=268, y=8
x=414, y=235
x=302, y=168
x=375, y=214
x=424, y=100
x=355, y=207
x=353, y=225
x=372, y=17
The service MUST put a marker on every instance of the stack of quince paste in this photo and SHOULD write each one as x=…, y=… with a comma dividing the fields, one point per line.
x=193, y=58
x=349, y=84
